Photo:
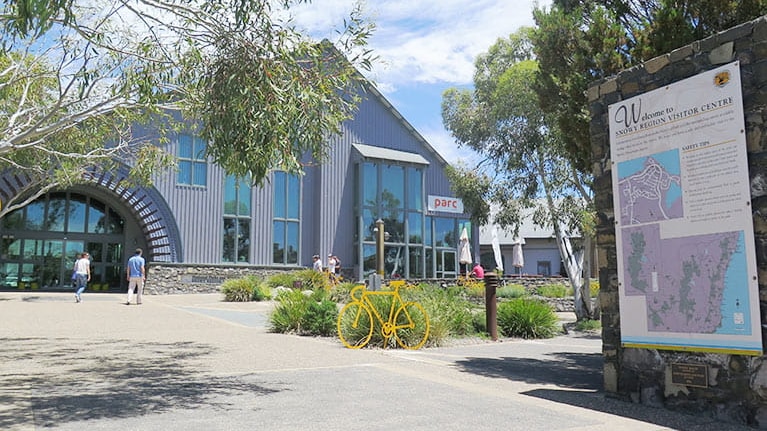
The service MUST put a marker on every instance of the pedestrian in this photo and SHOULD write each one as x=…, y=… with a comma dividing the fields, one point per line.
x=317, y=265
x=331, y=264
x=478, y=271
x=82, y=270
x=136, y=274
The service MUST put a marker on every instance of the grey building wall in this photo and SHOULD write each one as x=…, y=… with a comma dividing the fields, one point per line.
x=738, y=384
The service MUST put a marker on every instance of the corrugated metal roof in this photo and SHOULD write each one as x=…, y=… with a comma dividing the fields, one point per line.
x=370, y=152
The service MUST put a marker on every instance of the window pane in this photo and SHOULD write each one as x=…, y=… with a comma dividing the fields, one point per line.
x=279, y=195
x=114, y=253
x=200, y=173
x=244, y=199
x=185, y=146
x=243, y=241
x=35, y=215
x=394, y=224
x=368, y=224
x=369, y=184
x=56, y=212
x=427, y=238
x=96, y=250
x=77, y=204
x=184, y=172
x=11, y=249
x=415, y=262
x=115, y=223
x=97, y=222
x=229, y=234
x=278, y=251
x=392, y=186
x=429, y=269
x=394, y=261
x=294, y=196
x=14, y=220
x=415, y=229
x=368, y=259
x=292, y=245
x=230, y=195
x=449, y=257
x=199, y=148
x=414, y=189
x=444, y=232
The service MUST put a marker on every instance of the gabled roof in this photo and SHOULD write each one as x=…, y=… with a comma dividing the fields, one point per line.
x=527, y=230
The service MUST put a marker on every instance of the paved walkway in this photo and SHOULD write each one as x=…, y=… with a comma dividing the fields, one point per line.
x=192, y=362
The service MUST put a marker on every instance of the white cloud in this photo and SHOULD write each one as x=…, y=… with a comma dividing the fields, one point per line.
x=424, y=40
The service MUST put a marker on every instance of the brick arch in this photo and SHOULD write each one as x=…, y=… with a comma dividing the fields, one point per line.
x=145, y=205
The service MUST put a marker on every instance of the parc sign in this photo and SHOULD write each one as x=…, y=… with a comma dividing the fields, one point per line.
x=445, y=204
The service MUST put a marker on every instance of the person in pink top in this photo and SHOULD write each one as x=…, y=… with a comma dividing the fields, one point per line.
x=478, y=272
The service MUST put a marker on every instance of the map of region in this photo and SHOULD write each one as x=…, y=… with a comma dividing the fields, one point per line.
x=695, y=284
x=650, y=188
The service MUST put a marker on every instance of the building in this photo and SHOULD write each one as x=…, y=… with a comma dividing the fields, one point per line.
x=538, y=247
x=379, y=167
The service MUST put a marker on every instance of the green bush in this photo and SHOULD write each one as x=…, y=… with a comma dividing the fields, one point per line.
x=511, y=291
x=588, y=325
x=261, y=292
x=449, y=314
x=527, y=318
x=311, y=279
x=320, y=318
x=289, y=312
x=284, y=279
x=239, y=289
x=554, y=291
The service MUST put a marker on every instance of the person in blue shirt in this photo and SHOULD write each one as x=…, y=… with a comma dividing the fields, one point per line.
x=136, y=273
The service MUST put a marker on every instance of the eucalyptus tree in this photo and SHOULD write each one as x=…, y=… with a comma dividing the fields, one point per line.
x=77, y=76
x=578, y=42
x=525, y=167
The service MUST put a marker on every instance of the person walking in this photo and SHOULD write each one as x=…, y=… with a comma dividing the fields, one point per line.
x=317, y=265
x=82, y=270
x=136, y=274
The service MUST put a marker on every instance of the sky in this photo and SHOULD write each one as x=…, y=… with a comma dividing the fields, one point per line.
x=424, y=47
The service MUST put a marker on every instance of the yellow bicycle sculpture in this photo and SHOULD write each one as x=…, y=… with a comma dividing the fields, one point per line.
x=406, y=321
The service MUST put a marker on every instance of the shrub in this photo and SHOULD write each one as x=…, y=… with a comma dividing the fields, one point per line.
x=554, y=291
x=511, y=291
x=311, y=279
x=284, y=279
x=288, y=314
x=261, y=292
x=320, y=318
x=474, y=288
x=239, y=289
x=449, y=315
x=588, y=325
x=527, y=318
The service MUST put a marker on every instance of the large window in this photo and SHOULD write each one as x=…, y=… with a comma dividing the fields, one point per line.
x=192, y=161
x=286, y=224
x=394, y=194
x=237, y=195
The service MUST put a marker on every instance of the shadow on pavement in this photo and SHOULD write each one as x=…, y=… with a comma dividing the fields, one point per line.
x=572, y=370
x=76, y=380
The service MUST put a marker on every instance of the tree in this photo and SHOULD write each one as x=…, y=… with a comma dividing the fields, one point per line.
x=76, y=77
x=578, y=42
x=525, y=155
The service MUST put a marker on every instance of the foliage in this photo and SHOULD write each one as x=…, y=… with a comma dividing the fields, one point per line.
x=511, y=291
x=594, y=288
x=342, y=292
x=77, y=76
x=588, y=325
x=577, y=43
x=554, y=291
x=261, y=292
x=239, y=289
x=527, y=318
x=449, y=315
x=311, y=279
x=284, y=279
x=320, y=318
x=473, y=288
x=523, y=149
x=289, y=312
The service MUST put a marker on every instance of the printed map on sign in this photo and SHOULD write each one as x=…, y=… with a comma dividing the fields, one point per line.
x=650, y=188
x=694, y=284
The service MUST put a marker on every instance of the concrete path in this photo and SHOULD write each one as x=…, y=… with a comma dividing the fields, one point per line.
x=193, y=362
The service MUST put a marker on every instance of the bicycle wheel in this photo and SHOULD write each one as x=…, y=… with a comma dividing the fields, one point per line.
x=355, y=325
x=411, y=326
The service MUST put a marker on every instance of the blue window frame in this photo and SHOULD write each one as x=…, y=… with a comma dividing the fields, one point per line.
x=192, y=161
x=237, y=220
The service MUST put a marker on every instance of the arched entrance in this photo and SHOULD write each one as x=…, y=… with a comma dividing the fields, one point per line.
x=106, y=217
x=41, y=241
